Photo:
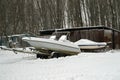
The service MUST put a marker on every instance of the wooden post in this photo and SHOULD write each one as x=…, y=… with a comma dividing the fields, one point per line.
x=1, y=40
x=113, y=39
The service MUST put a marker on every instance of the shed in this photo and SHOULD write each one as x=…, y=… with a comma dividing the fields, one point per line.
x=95, y=33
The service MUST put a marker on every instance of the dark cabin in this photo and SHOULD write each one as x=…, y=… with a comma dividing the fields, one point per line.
x=95, y=33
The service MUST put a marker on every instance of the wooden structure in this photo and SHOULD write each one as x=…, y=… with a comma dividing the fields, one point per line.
x=95, y=33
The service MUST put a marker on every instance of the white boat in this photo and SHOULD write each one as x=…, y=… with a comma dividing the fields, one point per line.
x=90, y=45
x=60, y=46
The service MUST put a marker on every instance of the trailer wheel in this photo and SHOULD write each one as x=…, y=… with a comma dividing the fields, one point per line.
x=55, y=55
x=41, y=56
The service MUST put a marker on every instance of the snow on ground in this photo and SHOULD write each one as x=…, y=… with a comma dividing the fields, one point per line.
x=85, y=66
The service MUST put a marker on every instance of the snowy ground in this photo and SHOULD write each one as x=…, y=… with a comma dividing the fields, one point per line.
x=85, y=66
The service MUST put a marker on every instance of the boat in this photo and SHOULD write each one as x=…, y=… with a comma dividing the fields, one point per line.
x=61, y=46
x=90, y=45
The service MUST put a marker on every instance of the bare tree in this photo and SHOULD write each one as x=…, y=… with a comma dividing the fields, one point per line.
x=21, y=16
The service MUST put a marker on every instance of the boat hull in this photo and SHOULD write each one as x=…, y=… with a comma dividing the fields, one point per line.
x=91, y=47
x=53, y=45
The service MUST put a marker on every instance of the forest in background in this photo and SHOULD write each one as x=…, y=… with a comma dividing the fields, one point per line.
x=25, y=16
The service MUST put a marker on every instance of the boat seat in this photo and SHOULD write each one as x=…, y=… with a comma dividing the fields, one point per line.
x=53, y=37
x=63, y=38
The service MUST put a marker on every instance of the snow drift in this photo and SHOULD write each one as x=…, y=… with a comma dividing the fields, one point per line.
x=85, y=66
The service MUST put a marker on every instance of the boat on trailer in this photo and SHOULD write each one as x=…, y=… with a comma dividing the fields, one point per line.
x=61, y=46
x=86, y=44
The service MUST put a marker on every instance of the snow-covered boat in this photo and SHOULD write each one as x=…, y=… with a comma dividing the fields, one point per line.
x=90, y=45
x=60, y=46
